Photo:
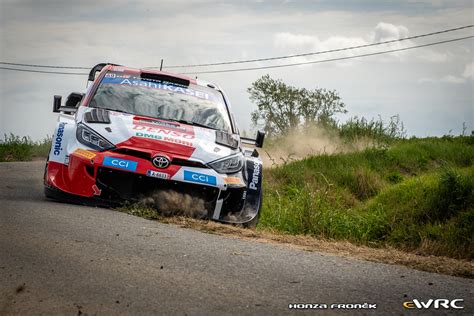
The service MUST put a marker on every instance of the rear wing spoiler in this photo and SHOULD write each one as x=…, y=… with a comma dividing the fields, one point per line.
x=257, y=142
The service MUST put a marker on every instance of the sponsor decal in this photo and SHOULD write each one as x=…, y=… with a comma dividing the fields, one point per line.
x=116, y=75
x=156, y=174
x=162, y=131
x=436, y=304
x=178, y=141
x=84, y=153
x=120, y=163
x=96, y=190
x=165, y=139
x=256, y=173
x=161, y=123
x=233, y=180
x=199, y=177
x=136, y=82
x=59, y=139
x=150, y=136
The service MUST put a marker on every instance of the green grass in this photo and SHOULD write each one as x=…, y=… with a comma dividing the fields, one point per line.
x=377, y=130
x=416, y=195
x=15, y=148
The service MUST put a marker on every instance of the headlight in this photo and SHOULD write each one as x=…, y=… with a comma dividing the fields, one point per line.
x=88, y=137
x=229, y=164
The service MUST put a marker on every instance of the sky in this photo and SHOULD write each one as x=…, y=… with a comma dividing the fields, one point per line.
x=430, y=88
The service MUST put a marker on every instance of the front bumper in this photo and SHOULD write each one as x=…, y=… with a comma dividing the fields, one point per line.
x=85, y=175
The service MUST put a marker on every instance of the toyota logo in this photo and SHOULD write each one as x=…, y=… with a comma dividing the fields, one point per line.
x=161, y=162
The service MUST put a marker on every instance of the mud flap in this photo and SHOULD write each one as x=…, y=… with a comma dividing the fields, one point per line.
x=253, y=195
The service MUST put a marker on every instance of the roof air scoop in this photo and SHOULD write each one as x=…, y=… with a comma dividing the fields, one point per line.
x=165, y=78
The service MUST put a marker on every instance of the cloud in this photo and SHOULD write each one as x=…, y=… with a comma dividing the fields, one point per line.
x=141, y=33
x=452, y=79
x=296, y=43
x=468, y=70
x=302, y=43
x=446, y=79
x=432, y=56
x=386, y=32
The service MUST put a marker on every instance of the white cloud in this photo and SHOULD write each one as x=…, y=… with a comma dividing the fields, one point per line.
x=452, y=79
x=432, y=56
x=468, y=70
x=293, y=43
x=386, y=32
x=445, y=79
x=142, y=33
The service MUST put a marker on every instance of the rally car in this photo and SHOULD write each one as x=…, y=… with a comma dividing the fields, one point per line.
x=137, y=131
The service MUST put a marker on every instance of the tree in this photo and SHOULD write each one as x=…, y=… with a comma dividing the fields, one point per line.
x=282, y=107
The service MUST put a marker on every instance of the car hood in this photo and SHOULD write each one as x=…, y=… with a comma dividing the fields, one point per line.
x=154, y=136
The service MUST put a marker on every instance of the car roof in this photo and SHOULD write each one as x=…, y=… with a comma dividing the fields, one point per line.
x=137, y=71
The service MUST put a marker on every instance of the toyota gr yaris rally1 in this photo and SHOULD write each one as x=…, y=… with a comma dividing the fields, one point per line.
x=138, y=131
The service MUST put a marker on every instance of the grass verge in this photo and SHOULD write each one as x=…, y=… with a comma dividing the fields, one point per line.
x=415, y=196
x=16, y=148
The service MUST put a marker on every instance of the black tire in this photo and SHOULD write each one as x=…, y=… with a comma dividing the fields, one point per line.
x=254, y=222
x=48, y=190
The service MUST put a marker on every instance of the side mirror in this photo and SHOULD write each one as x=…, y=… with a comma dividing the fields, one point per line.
x=56, y=103
x=260, y=138
x=258, y=142
x=71, y=103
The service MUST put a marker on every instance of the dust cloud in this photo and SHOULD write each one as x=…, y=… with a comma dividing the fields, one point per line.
x=309, y=141
x=170, y=203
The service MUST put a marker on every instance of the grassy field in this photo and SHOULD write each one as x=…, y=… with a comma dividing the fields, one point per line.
x=15, y=148
x=415, y=195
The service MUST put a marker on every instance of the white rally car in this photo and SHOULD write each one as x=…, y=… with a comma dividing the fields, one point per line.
x=138, y=131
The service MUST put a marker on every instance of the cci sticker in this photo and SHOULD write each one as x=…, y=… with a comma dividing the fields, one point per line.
x=156, y=174
x=120, y=163
x=199, y=177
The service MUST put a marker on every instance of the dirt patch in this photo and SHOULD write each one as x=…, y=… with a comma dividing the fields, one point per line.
x=436, y=264
x=174, y=203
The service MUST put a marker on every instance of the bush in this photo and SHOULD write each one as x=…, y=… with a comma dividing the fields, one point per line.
x=395, y=177
x=376, y=130
x=454, y=194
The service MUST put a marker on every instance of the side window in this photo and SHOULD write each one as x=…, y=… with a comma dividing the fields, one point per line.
x=74, y=99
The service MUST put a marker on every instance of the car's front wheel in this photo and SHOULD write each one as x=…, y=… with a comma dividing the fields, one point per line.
x=253, y=223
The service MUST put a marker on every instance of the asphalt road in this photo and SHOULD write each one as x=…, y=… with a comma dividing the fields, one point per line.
x=58, y=258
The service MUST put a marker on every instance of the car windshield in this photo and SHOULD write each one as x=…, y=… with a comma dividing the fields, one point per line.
x=128, y=93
